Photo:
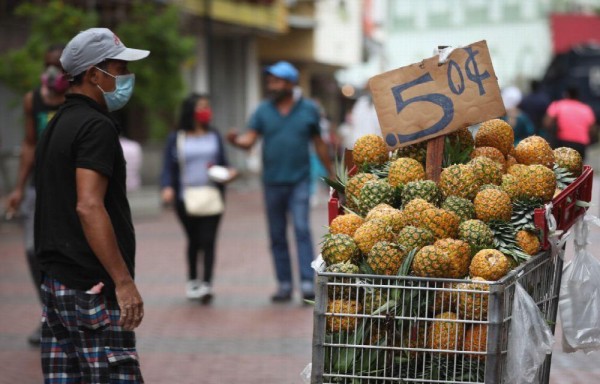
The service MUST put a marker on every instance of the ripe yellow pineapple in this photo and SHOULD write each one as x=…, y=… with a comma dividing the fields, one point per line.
x=372, y=232
x=386, y=212
x=446, y=333
x=370, y=149
x=335, y=323
x=489, y=264
x=487, y=171
x=412, y=210
x=347, y=288
x=431, y=261
x=476, y=341
x=569, y=159
x=386, y=258
x=535, y=181
x=459, y=180
x=493, y=204
x=528, y=241
x=404, y=170
x=534, y=150
x=460, y=256
x=346, y=224
x=510, y=185
x=492, y=153
x=495, y=133
x=471, y=301
x=441, y=223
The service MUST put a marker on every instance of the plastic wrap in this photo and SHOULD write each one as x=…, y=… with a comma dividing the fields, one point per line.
x=529, y=340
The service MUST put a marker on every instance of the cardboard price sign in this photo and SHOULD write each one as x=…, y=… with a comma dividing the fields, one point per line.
x=428, y=99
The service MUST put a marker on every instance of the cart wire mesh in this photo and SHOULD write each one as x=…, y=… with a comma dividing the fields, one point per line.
x=391, y=329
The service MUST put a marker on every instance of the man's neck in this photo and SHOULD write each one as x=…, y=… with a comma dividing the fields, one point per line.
x=285, y=105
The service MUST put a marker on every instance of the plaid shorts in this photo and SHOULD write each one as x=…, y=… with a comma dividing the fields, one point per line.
x=82, y=341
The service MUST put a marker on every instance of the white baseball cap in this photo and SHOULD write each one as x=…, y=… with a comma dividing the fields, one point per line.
x=92, y=47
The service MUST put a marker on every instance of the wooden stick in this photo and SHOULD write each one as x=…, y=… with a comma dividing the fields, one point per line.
x=435, y=156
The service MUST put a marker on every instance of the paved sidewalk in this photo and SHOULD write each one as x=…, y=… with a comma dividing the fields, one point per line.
x=240, y=338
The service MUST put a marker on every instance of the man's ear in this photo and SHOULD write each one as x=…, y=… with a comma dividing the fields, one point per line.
x=92, y=75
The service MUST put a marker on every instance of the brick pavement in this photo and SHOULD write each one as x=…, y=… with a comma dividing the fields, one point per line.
x=241, y=337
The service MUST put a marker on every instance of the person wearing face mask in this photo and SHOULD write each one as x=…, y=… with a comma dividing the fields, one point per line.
x=39, y=106
x=189, y=154
x=84, y=236
x=288, y=123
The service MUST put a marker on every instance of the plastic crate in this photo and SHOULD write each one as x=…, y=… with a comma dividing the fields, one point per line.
x=377, y=340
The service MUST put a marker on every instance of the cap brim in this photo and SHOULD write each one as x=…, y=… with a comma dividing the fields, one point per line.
x=131, y=54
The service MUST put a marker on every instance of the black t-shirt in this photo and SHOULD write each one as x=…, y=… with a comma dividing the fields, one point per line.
x=81, y=135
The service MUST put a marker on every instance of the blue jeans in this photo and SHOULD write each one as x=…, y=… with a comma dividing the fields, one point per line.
x=279, y=201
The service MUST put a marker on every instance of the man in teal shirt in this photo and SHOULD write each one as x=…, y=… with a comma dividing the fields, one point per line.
x=288, y=124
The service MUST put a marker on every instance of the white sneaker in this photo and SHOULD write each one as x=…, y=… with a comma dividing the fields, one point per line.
x=205, y=293
x=192, y=289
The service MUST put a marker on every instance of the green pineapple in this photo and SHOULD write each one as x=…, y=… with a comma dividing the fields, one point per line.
x=477, y=233
x=343, y=291
x=385, y=258
x=462, y=207
x=339, y=248
x=353, y=187
x=459, y=180
x=423, y=189
x=415, y=151
x=373, y=193
x=411, y=237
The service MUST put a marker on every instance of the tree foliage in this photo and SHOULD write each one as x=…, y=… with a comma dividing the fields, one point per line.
x=149, y=25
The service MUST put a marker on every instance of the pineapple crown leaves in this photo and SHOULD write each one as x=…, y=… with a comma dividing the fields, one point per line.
x=341, y=173
x=407, y=263
x=380, y=171
x=454, y=153
x=505, y=240
x=564, y=177
x=523, y=212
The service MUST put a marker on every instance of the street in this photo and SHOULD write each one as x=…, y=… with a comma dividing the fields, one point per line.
x=240, y=337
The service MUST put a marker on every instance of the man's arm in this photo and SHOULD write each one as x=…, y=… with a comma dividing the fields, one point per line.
x=99, y=232
x=26, y=158
x=323, y=153
x=245, y=140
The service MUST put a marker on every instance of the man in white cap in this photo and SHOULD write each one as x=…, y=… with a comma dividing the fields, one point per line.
x=84, y=237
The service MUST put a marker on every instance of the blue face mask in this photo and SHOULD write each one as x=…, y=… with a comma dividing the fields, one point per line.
x=117, y=99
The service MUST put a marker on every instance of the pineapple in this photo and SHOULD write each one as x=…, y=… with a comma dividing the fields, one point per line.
x=370, y=150
x=528, y=241
x=495, y=133
x=423, y=189
x=372, y=232
x=415, y=151
x=413, y=237
x=477, y=234
x=339, y=248
x=335, y=323
x=404, y=170
x=510, y=161
x=492, y=153
x=459, y=180
x=569, y=159
x=343, y=291
x=490, y=186
x=353, y=187
x=472, y=305
x=487, y=171
x=460, y=256
x=489, y=264
x=385, y=258
x=492, y=204
x=535, y=181
x=431, y=261
x=534, y=150
x=463, y=208
x=446, y=333
x=394, y=216
x=463, y=137
x=374, y=299
x=444, y=299
x=412, y=210
x=476, y=341
x=345, y=224
x=440, y=222
x=415, y=335
x=510, y=185
x=373, y=193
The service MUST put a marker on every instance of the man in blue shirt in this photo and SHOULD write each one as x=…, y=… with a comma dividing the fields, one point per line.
x=288, y=124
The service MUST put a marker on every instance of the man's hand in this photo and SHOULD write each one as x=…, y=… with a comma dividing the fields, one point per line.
x=232, y=136
x=167, y=195
x=14, y=202
x=131, y=305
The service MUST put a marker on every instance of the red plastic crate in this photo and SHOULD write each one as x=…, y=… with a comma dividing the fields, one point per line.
x=564, y=209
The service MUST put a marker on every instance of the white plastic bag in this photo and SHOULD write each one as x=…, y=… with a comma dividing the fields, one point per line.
x=580, y=296
x=306, y=373
x=529, y=340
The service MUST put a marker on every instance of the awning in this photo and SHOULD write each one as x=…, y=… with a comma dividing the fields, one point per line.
x=569, y=30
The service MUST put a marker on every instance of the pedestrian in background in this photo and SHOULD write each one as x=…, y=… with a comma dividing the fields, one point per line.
x=39, y=106
x=84, y=236
x=534, y=105
x=572, y=121
x=288, y=123
x=522, y=126
x=132, y=150
x=189, y=153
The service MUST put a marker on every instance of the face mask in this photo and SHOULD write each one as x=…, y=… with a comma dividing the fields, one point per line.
x=55, y=80
x=203, y=116
x=117, y=99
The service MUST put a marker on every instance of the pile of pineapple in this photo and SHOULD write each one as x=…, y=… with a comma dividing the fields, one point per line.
x=476, y=223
